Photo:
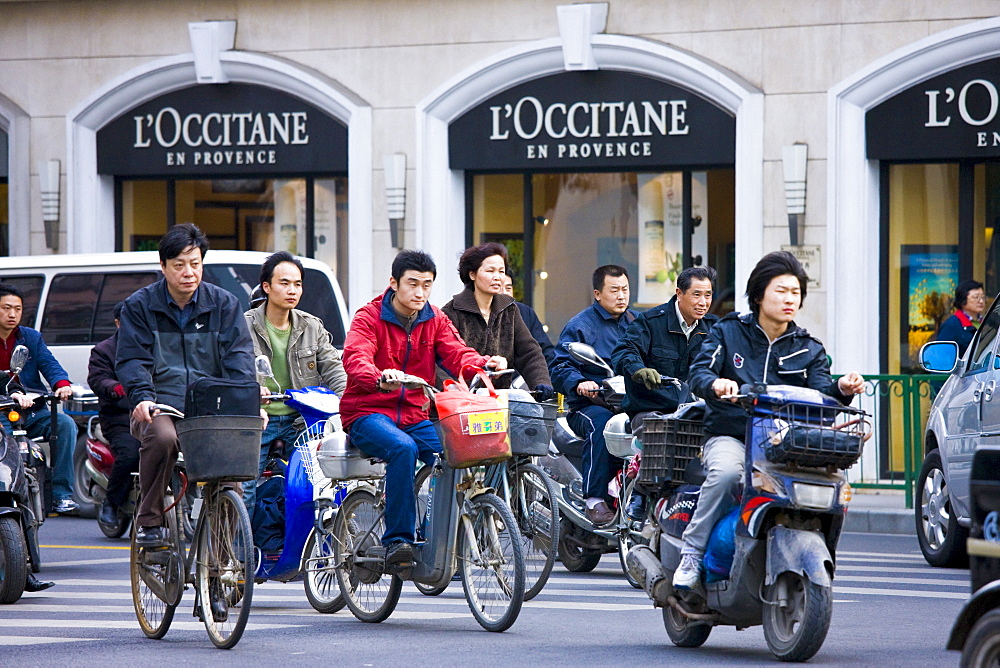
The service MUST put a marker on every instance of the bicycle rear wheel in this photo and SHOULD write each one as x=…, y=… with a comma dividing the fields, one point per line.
x=320, y=578
x=157, y=577
x=225, y=566
x=370, y=594
x=491, y=560
x=533, y=502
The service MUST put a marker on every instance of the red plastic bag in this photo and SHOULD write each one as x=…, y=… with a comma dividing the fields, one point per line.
x=472, y=427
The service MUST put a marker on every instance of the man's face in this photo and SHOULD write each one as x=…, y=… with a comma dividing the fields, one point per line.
x=183, y=273
x=413, y=289
x=613, y=295
x=508, y=285
x=10, y=311
x=695, y=302
x=285, y=288
x=781, y=300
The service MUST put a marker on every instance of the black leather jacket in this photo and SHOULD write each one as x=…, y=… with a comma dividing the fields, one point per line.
x=738, y=349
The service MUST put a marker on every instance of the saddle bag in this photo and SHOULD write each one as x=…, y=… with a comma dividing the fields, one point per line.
x=222, y=396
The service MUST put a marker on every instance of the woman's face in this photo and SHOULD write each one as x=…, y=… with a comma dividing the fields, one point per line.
x=489, y=277
x=975, y=302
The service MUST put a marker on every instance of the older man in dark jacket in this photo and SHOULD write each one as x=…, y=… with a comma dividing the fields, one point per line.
x=174, y=332
x=113, y=415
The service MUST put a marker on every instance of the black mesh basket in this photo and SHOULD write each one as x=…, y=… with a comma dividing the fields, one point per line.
x=220, y=447
x=668, y=446
x=531, y=427
x=811, y=435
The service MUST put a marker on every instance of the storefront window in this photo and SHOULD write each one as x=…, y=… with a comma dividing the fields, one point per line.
x=579, y=221
x=4, y=219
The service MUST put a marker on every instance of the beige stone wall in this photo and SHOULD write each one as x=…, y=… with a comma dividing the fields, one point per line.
x=393, y=53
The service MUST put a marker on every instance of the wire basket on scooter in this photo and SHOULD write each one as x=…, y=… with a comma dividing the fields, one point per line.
x=669, y=445
x=307, y=443
x=812, y=435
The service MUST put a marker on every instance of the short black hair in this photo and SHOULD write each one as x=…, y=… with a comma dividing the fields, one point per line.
x=963, y=290
x=118, y=309
x=472, y=259
x=9, y=289
x=772, y=265
x=705, y=273
x=276, y=258
x=612, y=270
x=181, y=237
x=415, y=260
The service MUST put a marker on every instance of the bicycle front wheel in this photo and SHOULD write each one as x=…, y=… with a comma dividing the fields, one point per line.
x=491, y=561
x=225, y=567
x=533, y=502
x=370, y=594
x=320, y=577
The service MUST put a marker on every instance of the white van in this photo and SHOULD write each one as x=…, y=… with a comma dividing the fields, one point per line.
x=70, y=299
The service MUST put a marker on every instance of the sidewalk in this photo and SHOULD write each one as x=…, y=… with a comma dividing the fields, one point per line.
x=879, y=512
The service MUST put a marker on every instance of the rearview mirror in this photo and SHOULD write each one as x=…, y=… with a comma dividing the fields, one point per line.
x=18, y=359
x=585, y=354
x=263, y=366
x=939, y=356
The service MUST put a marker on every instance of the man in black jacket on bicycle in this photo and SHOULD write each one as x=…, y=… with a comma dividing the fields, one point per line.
x=172, y=333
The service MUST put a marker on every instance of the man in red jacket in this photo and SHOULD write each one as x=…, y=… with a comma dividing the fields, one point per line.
x=396, y=334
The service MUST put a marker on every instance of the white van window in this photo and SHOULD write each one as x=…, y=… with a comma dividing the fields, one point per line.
x=117, y=287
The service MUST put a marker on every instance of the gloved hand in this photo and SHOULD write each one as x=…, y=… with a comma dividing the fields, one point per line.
x=648, y=377
x=544, y=392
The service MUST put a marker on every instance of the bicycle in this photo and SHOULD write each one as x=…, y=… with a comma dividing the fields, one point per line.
x=219, y=560
x=466, y=527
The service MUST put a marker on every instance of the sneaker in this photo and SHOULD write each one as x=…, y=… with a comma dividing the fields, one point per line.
x=65, y=506
x=399, y=559
x=600, y=514
x=150, y=537
x=688, y=573
x=109, y=513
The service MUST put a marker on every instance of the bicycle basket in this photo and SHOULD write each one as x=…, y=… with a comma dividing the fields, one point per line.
x=669, y=445
x=307, y=443
x=531, y=427
x=474, y=438
x=812, y=435
x=220, y=447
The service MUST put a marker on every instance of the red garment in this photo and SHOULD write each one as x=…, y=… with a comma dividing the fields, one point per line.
x=964, y=319
x=377, y=341
x=7, y=349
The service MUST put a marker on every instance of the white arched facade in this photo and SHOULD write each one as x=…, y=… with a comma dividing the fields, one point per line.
x=16, y=124
x=853, y=248
x=440, y=205
x=90, y=196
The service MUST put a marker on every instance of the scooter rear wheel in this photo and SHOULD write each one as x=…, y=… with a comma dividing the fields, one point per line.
x=796, y=630
x=682, y=631
x=575, y=558
x=13, y=560
x=117, y=528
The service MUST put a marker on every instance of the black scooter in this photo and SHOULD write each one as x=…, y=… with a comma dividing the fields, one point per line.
x=22, y=471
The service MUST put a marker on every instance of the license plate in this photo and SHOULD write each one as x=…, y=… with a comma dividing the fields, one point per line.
x=487, y=422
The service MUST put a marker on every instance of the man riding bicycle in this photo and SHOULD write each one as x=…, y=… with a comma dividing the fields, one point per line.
x=397, y=334
x=172, y=333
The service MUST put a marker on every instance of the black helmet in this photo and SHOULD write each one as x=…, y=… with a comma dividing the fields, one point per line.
x=257, y=297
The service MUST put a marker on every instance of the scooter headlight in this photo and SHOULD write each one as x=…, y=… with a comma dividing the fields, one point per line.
x=819, y=497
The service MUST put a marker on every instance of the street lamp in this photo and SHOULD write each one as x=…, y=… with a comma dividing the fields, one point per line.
x=794, y=160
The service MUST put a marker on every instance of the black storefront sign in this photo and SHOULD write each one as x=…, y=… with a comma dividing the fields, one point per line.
x=228, y=129
x=952, y=116
x=586, y=120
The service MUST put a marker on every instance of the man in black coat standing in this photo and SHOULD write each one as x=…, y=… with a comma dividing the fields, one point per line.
x=114, y=419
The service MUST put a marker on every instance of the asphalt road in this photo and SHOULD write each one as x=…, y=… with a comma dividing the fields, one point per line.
x=890, y=609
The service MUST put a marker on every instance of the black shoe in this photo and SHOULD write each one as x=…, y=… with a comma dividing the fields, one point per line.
x=151, y=537
x=399, y=559
x=109, y=513
x=220, y=611
x=33, y=584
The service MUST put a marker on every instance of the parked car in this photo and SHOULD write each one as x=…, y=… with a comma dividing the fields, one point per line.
x=976, y=632
x=71, y=300
x=964, y=416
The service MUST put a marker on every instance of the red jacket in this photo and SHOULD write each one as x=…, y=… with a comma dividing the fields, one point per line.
x=377, y=341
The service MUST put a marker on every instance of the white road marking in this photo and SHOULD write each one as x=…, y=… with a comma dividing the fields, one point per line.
x=112, y=624
x=36, y=640
x=901, y=592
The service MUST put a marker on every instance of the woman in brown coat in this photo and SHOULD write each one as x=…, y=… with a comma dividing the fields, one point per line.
x=490, y=321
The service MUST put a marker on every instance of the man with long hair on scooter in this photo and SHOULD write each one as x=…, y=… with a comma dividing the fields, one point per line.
x=763, y=346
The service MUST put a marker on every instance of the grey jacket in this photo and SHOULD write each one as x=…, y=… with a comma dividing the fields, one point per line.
x=312, y=359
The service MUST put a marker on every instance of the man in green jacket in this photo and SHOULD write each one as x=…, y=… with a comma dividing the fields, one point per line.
x=300, y=351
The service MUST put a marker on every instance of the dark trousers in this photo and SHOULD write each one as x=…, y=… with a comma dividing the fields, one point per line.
x=588, y=423
x=125, y=448
x=158, y=451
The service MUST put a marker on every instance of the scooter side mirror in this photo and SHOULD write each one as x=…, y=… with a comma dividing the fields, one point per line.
x=263, y=366
x=585, y=354
x=18, y=359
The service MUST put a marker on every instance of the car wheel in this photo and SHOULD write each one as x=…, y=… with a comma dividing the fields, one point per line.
x=941, y=537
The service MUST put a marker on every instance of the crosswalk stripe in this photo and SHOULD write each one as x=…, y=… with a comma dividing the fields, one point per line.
x=112, y=624
x=7, y=641
x=85, y=562
x=881, y=555
x=910, y=581
x=901, y=592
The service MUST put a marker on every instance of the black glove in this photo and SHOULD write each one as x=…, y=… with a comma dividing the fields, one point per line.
x=648, y=377
x=544, y=392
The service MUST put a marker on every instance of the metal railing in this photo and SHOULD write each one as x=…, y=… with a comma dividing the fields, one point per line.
x=899, y=405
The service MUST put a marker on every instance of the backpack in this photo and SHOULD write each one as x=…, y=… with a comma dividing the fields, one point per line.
x=269, y=511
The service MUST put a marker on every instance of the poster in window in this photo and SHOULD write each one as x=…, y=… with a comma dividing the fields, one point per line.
x=929, y=276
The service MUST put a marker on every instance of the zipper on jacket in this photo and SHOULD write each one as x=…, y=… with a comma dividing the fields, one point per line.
x=402, y=390
x=770, y=343
x=781, y=360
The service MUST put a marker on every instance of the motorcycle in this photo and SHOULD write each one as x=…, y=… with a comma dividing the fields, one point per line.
x=100, y=460
x=581, y=542
x=771, y=559
x=22, y=471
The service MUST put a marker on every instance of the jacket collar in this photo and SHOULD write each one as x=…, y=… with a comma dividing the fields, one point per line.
x=963, y=318
x=387, y=313
x=750, y=321
x=259, y=314
x=204, y=299
x=466, y=301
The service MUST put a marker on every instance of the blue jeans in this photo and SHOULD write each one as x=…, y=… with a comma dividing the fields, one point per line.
x=588, y=423
x=37, y=425
x=378, y=436
x=278, y=426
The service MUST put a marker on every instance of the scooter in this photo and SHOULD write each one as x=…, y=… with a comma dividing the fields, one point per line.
x=22, y=466
x=100, y=461
x=581, y=542
x=771, y=559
